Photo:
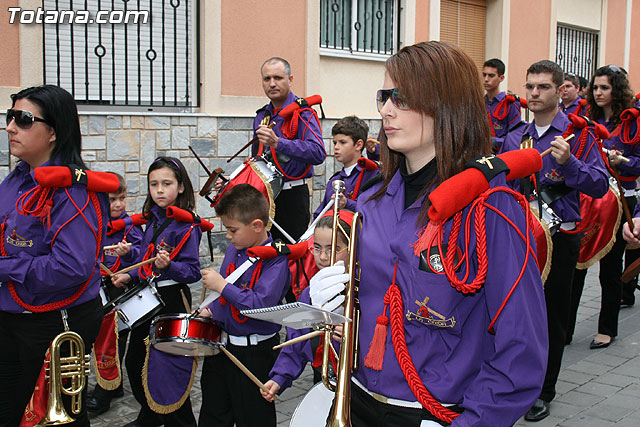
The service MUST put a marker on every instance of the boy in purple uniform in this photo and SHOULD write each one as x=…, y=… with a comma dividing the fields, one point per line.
x=116, y=259
x=480, y=363
x=228, y=396
x=562, y=178
x=503, y=112
x=349, y=136
x=294, y=145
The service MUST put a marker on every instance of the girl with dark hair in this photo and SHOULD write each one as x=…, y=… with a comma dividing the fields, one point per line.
x=175, y=244
x=51, y=239
x=610, y=98
x=460, y=293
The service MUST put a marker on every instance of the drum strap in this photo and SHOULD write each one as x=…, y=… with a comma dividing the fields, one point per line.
x=146, y=270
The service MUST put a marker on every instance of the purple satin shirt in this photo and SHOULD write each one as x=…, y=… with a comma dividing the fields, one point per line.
x=571, y=108
x=494, y=377
x=269, y=290
x=41, y=271
x=502, y=127
x=185, y=267
x=587, y=175
x=133, y=234
x=306, y=148
x=350, y=185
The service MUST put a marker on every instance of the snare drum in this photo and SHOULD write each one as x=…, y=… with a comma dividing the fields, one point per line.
x=184, y=335
x=260, y=174
x=137, y=305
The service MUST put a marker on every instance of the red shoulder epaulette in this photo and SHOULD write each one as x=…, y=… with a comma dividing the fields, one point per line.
x=292, y=252
x=66, y=176
x=629, y=116
x=300, y=103
x=120, y=224
x=581, y=122
x=366, y=164
x=461, y=189
x=512, y=97
x=182, y=215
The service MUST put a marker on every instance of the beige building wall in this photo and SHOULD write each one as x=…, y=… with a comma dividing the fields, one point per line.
x=634, y=46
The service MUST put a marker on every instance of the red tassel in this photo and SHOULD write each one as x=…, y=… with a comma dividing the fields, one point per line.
x=375, y=356
x=45, y=214
x=426, y=237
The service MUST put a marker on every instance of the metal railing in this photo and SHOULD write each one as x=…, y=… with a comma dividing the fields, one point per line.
x=367, y=26
x=577, y=51
x=138, y=64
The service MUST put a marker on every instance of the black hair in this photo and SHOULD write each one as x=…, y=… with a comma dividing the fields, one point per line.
x=495, y=63
x=185, y=200
x=123, y=184
x=244, y=203
x=58, y=109
x=621, y=94
x=353, y=127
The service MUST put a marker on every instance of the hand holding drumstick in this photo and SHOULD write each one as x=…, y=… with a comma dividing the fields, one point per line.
x=560, y=149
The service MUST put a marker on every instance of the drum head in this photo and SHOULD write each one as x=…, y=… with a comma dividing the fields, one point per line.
x=314, y=408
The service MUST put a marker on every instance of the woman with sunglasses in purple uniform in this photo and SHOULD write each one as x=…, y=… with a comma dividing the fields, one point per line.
x=50, y=241
x=454, y=336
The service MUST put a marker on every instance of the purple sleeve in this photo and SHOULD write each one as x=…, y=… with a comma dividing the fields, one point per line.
x=72, y=258
x=185, y=267
x=514, y=365
x=134, y=236
x=587, y=175
x=292, y=358
x=307, y=147
x=266, y=292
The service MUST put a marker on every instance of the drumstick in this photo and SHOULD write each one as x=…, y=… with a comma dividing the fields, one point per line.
x=106, y=248
x=187, y=306
x=248, y=144
x=246, y=371
x=206, y=169
x=608, y=153
x=106, y=269
x=230, y=279
x=548, y=150
x=134, y=266
x=300, y=338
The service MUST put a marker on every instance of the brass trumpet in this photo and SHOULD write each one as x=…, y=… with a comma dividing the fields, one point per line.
x=73, y=368
x=340, y=414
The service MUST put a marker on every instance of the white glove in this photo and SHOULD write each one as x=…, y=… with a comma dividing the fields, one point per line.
x=326, y=285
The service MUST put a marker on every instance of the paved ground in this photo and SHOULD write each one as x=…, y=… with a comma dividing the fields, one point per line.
x=596, y=387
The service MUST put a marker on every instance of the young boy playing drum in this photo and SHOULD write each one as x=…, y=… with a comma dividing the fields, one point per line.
x=228, y=396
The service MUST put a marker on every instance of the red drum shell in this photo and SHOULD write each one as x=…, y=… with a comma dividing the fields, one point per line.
x=184, y=335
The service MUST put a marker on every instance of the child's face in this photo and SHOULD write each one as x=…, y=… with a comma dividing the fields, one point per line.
x=346, y=150
x=117, y=204
x=164, y=187
x=322, y=248
x=242, y=235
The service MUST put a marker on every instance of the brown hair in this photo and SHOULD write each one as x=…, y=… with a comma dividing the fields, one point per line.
x=123, y=185
x=440, y=81
x=244, y=203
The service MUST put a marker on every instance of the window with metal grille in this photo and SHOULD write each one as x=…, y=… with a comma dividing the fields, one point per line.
x=125, y=63
x=360, y=26
x=577, y=51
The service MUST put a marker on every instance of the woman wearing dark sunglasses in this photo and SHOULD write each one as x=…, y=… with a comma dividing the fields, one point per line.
x=609, y=97
x=446, y=337
x=49, y=246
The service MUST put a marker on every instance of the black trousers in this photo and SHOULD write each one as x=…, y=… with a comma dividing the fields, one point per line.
x=611, y=269
x=134, y=362
x=228, y=396
x=292, y=212
x=557, y=293
x=25, y=339
x=368, y=412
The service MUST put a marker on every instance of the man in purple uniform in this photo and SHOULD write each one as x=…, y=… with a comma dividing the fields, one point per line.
x=294, y=144
x=571, y=168
x=569, y=98
x=504, y=113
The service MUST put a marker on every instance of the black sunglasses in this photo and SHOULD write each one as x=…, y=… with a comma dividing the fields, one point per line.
x=23, y=119
x=398, y=100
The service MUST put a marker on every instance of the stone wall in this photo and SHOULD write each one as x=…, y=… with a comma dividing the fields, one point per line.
x=128, y=144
